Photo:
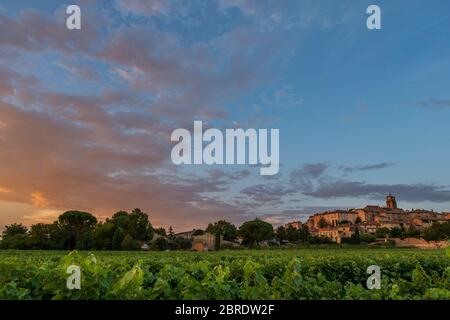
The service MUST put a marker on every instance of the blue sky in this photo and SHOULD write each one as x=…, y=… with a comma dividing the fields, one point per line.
x=87, y=114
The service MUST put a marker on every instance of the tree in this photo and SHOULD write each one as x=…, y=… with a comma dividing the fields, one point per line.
x=367, y=237
x=255, y=231
x=382, y=233
x=322, y=223
x=304, y=234
x=80, y=230
x=358, y=220
x=411, y=233
x=396, y=232
x=160, y=231
x=437, y=232
x=292, y=234
x=280, y=234
x=75, y=224
x=120, y=223
x=135, y=224
x=118, y=237
x=40, y=236
x=224, y=228
x=14, y=229
x=171, y=234
x=103, y=234
x=86, y=241
x=15, y=236
x=129, y=243
x=217, y=241
x=180, y=243
x=17, y=242
x=355, y=237
x=160, y=244
x=320, y=240
x=58, y=236
x=198, y=232
x=140, y=227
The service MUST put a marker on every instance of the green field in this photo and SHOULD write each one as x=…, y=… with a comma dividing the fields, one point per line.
x=243, y=274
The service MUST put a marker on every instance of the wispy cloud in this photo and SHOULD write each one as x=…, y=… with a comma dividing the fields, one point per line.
x=284, y=97
x=41, y=216
x=353, y=189
x=436, y=104
x=313, y=180
x=145, y=7
x=39, y=200
x=377, y=166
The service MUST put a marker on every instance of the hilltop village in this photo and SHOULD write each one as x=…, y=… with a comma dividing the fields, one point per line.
x=341, y=224
x=372, y=225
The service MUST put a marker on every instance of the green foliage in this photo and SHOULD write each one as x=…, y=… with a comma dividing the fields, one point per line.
x=382, y=232
x=256, y=231
x=411, y=233
x=396, y=232
x=40, y=236
x=293, y=234
x=171, y=234
x=281, y=234
x=103, y=234
x=355, y=237
x=160, y=244
x=367, y=237
x=160, y=231
x=14, y=229
x=140, y=227
x=217, y=242
x=320, y=240
x=118, y=237
x=224, y=228
x=74, y=225
x=129, y=243
x=180, y=243
x=112, y=233
x=15, y=237
x=437, y=232
x=198, y=232
x=17, y=241
x=322, y=223
x=243, y=274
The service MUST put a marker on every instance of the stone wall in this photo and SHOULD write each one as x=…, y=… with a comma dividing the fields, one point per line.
x=421, y=243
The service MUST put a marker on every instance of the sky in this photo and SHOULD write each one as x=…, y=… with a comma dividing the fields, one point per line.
x=86, y=115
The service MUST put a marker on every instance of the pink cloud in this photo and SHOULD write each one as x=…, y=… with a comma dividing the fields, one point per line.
x=105, y=151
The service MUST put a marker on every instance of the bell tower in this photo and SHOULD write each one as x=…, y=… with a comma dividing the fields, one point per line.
x=391, y=203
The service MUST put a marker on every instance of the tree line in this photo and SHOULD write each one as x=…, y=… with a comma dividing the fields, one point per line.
x=123, y=231
x=81, y=230
x=130, y=230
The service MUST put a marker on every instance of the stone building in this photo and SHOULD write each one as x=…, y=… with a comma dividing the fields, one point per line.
x=391, y=203
x=332, y=218
x=204, y=242
x=336, y=234
x=372, y=217
x=295, y=224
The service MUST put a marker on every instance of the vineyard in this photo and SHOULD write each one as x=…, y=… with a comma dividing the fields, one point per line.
x=243, y=274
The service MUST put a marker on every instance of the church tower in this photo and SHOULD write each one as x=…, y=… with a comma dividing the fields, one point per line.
x=391, y=202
